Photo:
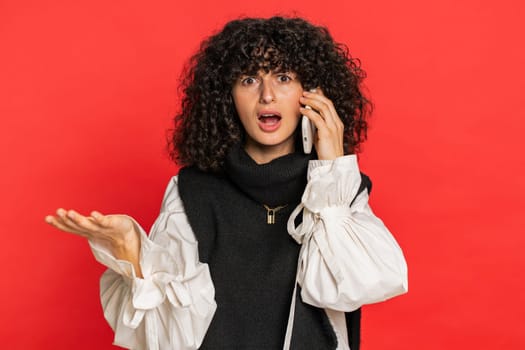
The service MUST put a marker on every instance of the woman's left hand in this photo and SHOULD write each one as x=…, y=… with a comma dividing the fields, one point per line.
x=329, y=136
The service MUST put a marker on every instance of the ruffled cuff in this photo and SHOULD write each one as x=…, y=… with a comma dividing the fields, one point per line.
x=173, y=304
x=122, y=267
x=162, y=276
x=331, y=183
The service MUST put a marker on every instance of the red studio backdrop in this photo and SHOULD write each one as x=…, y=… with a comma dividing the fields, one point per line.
x=88, y=90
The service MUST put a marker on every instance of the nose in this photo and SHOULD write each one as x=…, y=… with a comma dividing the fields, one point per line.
x=267, y=93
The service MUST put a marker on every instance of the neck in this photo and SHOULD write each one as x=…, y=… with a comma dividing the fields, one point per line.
x=263, y=154
x=275, y=183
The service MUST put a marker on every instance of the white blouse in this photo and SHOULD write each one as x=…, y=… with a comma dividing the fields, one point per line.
x=348, y=258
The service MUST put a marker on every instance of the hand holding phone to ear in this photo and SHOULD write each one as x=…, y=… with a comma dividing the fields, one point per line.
x=328, y=135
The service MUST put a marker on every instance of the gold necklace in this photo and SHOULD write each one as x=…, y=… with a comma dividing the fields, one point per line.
x=270, y=213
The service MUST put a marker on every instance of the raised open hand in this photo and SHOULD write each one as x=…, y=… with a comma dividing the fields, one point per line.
x=117, y=233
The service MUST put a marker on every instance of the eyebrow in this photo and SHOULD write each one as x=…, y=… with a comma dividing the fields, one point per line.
x=274, y=71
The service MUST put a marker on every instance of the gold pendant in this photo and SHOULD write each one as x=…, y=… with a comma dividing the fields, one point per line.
x=270, y=213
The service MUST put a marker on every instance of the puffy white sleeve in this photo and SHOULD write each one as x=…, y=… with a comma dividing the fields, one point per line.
x=348, y=257
x=172, y=306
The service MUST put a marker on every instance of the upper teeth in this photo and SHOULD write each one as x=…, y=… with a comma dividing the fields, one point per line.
x=267, y=115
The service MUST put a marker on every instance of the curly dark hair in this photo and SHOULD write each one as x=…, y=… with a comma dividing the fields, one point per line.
x=208, y=125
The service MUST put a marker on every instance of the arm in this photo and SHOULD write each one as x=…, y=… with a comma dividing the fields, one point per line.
x=348, y=257
x=172, y=304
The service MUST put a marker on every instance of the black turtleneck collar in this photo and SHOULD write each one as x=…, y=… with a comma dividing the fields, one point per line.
x=279, y=182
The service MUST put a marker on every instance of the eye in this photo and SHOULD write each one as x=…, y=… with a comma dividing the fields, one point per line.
x=248, y=80
x=284, y=78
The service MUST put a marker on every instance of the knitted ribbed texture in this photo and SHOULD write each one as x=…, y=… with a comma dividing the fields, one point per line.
x=252, y=263
x=281, y=181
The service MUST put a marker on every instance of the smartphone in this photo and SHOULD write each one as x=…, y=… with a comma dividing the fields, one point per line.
x=308, y=133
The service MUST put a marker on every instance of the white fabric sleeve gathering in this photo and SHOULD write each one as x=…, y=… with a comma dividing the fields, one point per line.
x=348, y=257
x=173, y=305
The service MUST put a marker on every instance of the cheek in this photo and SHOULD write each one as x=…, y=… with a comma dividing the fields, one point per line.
x=238, y=107
x=294, y=103
x=292, y=95
x=243, y=101
x=243, y=110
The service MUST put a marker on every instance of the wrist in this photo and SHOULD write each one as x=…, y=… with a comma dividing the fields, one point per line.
x=128, y=246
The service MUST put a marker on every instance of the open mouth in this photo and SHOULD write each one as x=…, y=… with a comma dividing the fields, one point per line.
x=269, y=121
x=269, y=118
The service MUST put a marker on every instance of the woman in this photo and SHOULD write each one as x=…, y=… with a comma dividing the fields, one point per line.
x=230, y=263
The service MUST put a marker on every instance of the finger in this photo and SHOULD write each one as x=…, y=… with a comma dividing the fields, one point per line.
x=322, y=109
x=326, y=108
x=315, y=117
x=337, y=120
x=83, y=223
x=59, y=224
x=49, y=219
x=319, y=94
x=101, y=219
x=66, y=219
x=61, y=217
x=319, y=103
x=77, y=223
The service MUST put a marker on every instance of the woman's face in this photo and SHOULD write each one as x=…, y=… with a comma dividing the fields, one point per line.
x=268, y=107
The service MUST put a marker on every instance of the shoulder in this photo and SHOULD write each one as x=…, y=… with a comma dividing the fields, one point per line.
x=172, y=201
x=194, y=174
x=366, y=183
x=197, y=181
x=189, y=183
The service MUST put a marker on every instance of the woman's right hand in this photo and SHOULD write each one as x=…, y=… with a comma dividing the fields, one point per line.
x=117, y=233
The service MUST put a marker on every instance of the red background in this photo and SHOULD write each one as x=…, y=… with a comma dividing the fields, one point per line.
x=87, y=91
